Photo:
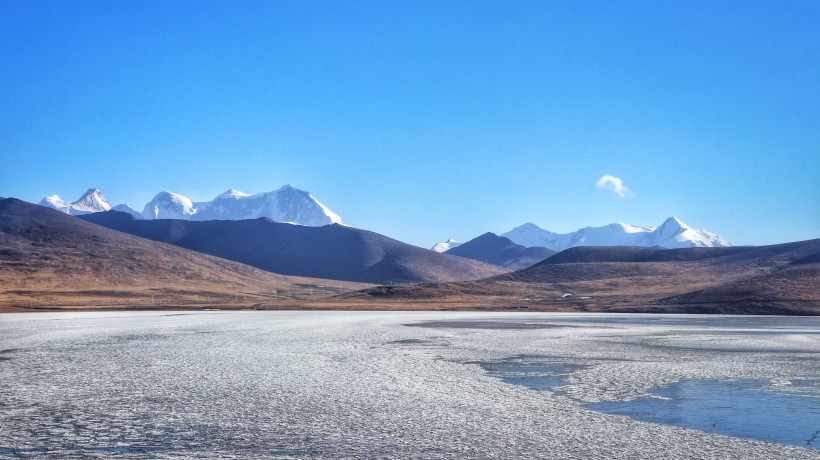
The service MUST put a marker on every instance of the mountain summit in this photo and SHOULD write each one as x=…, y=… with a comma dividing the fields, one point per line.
x=91, y=201
x=673, y=233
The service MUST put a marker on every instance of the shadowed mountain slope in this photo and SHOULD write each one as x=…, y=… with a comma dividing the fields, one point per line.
x=49, y=259
x=331, y=251
x=498, y=250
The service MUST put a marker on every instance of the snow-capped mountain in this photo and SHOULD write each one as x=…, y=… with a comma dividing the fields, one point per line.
x=673, y=233
x=288, y=204
x=91, y=201
x=168, y=205
x=446, y=245
x=127, y=209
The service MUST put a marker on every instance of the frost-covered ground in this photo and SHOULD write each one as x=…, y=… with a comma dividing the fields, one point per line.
x=363, y=384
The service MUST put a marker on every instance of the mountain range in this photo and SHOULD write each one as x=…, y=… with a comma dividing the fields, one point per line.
x=672, y=233
x=335, y=251
x=118, y=258
x=292, y=205
x=287, y=204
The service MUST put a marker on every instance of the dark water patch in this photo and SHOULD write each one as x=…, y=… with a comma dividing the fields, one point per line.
x=124, y=449
x=427, y=342
x=534, y=372
x=787, y=414
x=409, y=342
x=500, y=325
x=126, y=338
x=7, y=351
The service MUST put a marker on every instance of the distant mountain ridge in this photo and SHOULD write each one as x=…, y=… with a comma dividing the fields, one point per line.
x=335, y=252
x=500, y=251
x=287, y=204
x=673, y=233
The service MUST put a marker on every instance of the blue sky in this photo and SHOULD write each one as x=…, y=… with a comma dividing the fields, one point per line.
x=426, y=120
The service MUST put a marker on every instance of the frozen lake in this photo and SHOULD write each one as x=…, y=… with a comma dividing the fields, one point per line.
x=397, y=384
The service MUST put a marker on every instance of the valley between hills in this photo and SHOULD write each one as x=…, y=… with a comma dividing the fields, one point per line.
x=51, y=260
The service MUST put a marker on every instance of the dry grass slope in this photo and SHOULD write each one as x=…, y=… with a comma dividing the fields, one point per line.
x=52, y=260
x=778, y=279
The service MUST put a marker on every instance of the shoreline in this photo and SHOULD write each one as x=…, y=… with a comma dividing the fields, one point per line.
x=651, y=310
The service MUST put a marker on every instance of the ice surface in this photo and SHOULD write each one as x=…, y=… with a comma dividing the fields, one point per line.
x=364, y=384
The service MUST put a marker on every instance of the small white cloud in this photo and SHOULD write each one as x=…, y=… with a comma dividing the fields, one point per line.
x=613, y=183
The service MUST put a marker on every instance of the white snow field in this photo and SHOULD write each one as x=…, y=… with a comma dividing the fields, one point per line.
x=367, y=385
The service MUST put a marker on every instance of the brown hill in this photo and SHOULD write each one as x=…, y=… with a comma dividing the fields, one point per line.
x=777, y=279
x=500, y=251
x=49, y=259
x=330, y=252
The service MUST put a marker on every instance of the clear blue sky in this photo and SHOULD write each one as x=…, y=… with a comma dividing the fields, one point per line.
x=426, y=120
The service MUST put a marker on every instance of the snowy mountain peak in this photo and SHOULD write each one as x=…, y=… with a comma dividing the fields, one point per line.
x=168, y=205
x=674, y=222
x=91, y=201
x=126, y=209
x=673, y=233
x=531, y=235
x=53, y=201
x=446, y=246
x=231, y=193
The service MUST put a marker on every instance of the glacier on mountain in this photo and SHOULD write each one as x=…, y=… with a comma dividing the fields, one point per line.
x=673, y=233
